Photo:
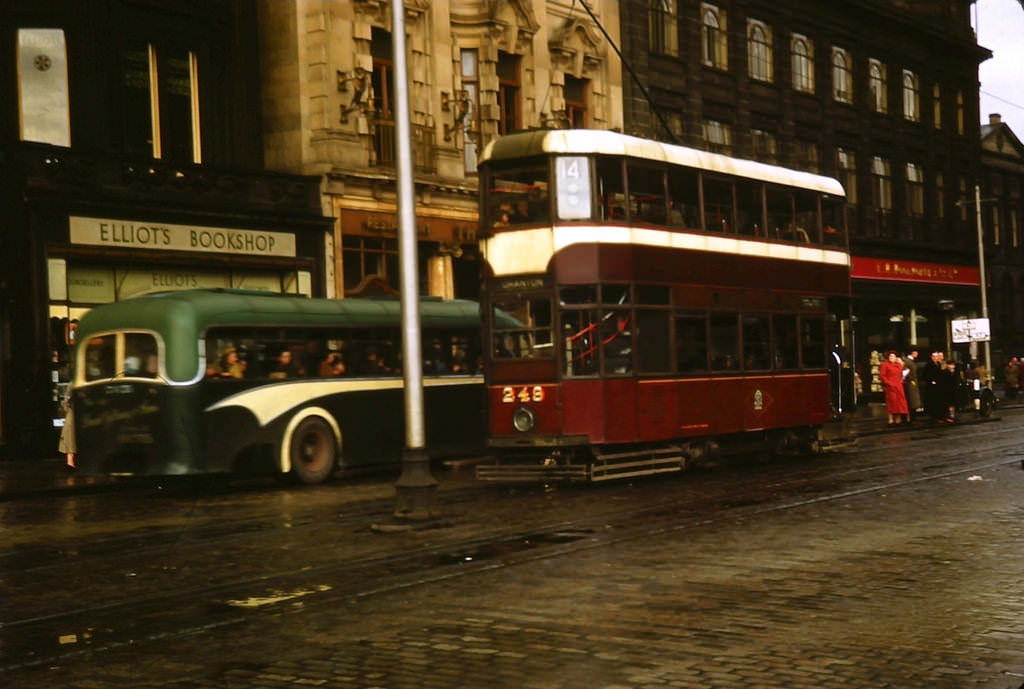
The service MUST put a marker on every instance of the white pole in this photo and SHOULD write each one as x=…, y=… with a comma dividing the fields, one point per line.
x=981, y=280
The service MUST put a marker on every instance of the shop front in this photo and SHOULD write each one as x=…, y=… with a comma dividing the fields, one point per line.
x=65, y=258
x=901, y=305
x=446, y=243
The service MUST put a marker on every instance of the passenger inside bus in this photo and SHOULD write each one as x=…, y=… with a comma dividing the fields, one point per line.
x=284, y=367
x=332, y=366
x=228, y=365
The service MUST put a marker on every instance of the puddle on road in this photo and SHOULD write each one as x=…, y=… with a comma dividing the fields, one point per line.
x=497, y=549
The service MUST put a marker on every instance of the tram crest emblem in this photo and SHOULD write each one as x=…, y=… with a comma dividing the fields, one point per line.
x=758, y=400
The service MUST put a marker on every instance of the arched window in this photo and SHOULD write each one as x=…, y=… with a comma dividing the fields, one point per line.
x=759, y=51
x=842, y=88
x=879, y=86
x=714, y=38
x=803, y=64
x=664, y=27
x=911, y=97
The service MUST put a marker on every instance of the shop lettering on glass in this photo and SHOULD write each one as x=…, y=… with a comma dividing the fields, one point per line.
x=391, y=229
x=175, y=280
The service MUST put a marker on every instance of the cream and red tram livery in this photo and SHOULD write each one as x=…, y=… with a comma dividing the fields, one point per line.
x=666, y=302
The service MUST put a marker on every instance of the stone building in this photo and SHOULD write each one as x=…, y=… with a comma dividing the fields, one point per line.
x=881, y=94
x=131, y=161
x=1002, y=207
x=477, y=69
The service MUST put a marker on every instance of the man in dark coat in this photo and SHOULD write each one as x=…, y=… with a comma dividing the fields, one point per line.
x=934, y=403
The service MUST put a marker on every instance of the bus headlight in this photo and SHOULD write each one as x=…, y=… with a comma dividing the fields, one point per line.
x=523, y=420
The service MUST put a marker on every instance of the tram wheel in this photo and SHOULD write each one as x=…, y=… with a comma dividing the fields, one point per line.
x=312, y=450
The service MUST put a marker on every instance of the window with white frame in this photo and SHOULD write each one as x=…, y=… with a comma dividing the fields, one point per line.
x=759, y=51
x=714, y=37
x=762, y=145
x=469, y=66
x=802, y=50
x=161, y=101
x=846, y=163
x=718, y=136
x=878, y=85
x=664, y=28
x=881, y=177
x=807, y=155
x=960, y=112
x=911, y=97
x=842, y=79
x=915, y=189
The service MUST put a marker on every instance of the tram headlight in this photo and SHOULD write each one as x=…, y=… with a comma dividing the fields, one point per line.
x=523, y=420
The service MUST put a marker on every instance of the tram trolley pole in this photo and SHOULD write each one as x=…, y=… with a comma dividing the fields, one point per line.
x=416, y=486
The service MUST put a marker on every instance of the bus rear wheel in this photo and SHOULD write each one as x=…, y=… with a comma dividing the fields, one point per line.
x=312, y=451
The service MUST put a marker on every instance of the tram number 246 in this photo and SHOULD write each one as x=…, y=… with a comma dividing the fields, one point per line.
x=509, y=395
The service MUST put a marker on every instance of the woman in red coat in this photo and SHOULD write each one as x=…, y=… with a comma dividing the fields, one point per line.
x=891, y=373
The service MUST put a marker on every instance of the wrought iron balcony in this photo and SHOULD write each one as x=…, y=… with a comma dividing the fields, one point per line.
x=424, y=148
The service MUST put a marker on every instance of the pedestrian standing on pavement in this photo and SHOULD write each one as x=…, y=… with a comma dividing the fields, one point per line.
x=934, y=407
x=891, y=373
x=949, y=383
x=1011, y=374
x=910, y=385
x=67, y=446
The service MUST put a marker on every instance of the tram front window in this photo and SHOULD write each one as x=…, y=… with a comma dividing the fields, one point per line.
x=521, y=326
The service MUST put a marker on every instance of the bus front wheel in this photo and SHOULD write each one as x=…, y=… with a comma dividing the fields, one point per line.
x=312, y=451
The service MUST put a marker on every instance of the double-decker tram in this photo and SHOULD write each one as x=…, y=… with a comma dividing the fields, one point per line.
x=229, y=381
x=667, y=303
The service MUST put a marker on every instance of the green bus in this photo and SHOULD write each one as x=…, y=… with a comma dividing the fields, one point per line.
x=233, y=381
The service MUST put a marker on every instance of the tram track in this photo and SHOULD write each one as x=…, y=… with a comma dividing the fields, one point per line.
x=33, y=640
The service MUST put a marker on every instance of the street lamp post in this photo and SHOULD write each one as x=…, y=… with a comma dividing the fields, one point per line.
x=981, y=281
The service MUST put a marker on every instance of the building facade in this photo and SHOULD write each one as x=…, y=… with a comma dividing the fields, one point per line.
x=476, y=69
x=131, y=161
x=881, y=94
x=1002, y=208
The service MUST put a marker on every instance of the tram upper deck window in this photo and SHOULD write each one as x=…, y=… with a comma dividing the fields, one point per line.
x=832, y=212
x=750, y=208
x=100, y=357
x=683, y=198
x=529, y=334
x=718, y=205
x=611, y=192
x=646, y=193
x=805, y=204
x=518, y=195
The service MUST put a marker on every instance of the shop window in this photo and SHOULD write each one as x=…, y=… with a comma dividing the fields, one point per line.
x=364, y=257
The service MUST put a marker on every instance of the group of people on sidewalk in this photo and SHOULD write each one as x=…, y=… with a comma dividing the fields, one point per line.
x=931, y=388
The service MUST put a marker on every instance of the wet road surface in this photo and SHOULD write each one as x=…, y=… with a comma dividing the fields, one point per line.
x=897, y=564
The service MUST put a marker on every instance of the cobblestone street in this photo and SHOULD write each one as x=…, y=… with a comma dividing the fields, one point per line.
x=914, y=578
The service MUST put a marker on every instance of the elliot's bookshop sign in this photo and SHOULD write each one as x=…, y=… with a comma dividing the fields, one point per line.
x=130, y=234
